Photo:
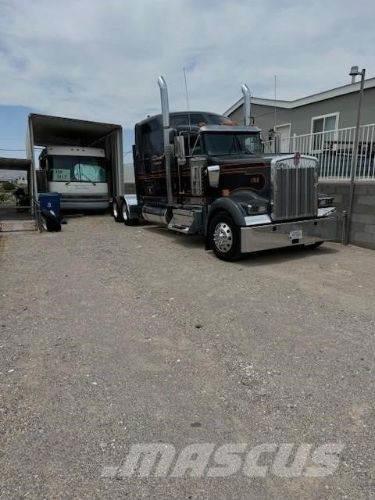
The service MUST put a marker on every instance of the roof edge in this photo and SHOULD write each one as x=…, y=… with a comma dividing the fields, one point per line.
x=303, y=101
x=71, y=119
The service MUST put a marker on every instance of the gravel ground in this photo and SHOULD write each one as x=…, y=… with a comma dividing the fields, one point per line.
x=114, y=335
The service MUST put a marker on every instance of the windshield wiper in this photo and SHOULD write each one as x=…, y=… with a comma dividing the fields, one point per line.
x=88, y=178
x=234, y=145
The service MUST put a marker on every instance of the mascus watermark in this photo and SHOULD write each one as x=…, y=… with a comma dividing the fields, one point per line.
x=209, y=460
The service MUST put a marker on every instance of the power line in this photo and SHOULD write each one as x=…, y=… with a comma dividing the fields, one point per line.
x=2, y=149
x=21, y=149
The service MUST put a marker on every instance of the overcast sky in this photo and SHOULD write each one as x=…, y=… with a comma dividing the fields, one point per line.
x=100, y=59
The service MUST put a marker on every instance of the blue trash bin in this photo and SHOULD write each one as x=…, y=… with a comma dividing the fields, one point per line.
x=50, y=202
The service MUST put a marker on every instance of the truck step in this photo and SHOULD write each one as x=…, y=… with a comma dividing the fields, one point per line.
x=179, y=228
x=186, y=221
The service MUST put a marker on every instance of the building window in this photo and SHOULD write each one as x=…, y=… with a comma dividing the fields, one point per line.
x=324, y=130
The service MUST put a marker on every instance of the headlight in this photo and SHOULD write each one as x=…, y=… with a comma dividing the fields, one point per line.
x=256, y=209
x=325, y=201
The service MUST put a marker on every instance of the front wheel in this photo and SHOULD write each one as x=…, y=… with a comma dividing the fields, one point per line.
x=224, y=237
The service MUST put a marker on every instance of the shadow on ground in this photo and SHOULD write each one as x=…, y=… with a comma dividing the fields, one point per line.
x=265, y=257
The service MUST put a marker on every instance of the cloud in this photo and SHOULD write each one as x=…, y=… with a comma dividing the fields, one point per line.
x=100, y=60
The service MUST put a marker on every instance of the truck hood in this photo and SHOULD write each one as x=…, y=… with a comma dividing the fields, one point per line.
x=244, y=172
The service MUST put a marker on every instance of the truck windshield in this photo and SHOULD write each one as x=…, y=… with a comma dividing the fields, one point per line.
x=220, y=144
x=76, y=169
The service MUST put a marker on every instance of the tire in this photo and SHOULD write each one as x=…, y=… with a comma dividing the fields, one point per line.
x=315, y=245
x=49, y=221
x=125, y=215
x=43, y=221
x=224, y=237
x=116, y=212
x=50, y=225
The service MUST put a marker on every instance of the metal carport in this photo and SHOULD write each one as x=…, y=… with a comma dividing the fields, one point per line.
x=44, y=130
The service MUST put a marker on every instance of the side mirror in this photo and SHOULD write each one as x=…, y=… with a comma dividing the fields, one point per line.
x=179, y=147
x=213, y=175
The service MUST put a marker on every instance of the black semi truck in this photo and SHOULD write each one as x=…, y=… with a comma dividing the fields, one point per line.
x=199, y=173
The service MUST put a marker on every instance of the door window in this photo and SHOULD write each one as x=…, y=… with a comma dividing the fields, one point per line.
x=323, y=129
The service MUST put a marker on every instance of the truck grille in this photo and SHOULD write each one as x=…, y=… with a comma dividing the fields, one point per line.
x=294, y=183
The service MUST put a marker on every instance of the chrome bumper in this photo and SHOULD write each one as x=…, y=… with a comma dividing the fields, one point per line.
x=257, y=238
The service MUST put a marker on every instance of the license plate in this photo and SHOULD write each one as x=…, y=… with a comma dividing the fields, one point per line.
x=295, y=235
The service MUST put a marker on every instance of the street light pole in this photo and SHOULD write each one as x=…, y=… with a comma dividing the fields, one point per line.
x=354, y=72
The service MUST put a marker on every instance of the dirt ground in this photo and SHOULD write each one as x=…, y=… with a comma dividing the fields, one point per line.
x=113, y=335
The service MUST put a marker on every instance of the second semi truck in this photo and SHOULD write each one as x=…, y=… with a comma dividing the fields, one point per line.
x=198, y=173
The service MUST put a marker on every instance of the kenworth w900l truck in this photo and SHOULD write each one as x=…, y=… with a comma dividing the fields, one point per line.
x=198, y=173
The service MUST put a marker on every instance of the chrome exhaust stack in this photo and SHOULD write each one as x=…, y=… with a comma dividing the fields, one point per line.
x=246, y=104
x=166, y=128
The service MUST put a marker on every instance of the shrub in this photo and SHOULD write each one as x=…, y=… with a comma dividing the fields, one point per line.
x=8, y=186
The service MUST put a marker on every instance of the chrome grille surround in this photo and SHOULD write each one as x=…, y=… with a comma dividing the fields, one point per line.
x=294, y=187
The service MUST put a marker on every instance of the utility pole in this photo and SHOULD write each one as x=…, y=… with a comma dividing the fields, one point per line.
x=274, y=110
x=276, y=140
x=354, y=163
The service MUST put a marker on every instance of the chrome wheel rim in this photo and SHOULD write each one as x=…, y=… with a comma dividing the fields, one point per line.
x=223, y=237
x=115, y=211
